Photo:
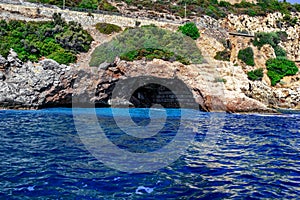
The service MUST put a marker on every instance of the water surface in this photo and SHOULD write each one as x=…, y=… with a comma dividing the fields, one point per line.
x=253, y=156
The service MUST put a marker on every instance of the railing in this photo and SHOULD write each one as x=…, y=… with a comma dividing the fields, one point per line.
x=241, y=34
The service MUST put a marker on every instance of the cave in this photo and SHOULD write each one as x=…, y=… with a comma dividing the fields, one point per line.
x=146, y=92
x=152, y=94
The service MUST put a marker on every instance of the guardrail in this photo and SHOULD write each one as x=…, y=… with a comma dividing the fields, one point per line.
x=240, y=34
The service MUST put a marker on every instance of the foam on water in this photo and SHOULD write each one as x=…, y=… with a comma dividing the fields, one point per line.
x=142, y=188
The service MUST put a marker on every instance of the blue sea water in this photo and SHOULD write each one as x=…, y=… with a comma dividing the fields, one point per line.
x=231, y=157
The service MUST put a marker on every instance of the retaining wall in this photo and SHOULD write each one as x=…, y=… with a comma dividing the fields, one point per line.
x=81, y=17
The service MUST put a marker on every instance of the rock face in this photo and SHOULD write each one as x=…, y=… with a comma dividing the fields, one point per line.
x=47, y=84
x=28, y=85
x=273, y=22
x=214, y=85
x=217, y=86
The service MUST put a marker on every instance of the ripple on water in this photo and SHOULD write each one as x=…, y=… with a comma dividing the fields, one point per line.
x=255, y=156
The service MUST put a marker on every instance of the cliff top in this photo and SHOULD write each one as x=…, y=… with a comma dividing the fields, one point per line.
x=179, y=8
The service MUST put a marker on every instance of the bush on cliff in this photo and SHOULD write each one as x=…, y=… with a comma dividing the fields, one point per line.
x=247, y=56
x=89, y=4
x=106, y=28
x=214, y=8
x=149, y=37
x=105, y=5
x=279, y=68
x=32, y=40
x=62, y=56
x=279, y=51
x=263, y=38
x=190, y=29
x=223, y=55
x=273, y=39
x=150, y=54
x=256, y=74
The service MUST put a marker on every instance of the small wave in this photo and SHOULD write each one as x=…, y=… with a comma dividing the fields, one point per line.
x=30, y=188
x=146, y=189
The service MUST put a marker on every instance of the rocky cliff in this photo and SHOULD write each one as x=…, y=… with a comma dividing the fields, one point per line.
x=34, y=85
x=214, y=85
x=47, y=84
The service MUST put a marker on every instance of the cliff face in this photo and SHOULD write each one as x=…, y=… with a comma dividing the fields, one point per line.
x=30, y=86
x=214, y=85
x=285, y=95
x=47, y=84
x=271, y=23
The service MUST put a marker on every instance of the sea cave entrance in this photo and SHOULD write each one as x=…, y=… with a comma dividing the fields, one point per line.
x=148, y=91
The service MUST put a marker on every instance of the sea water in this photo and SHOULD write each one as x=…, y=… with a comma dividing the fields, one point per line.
x=248, y=156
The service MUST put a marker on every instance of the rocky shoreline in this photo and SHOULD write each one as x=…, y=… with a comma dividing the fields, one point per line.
x=48, y=84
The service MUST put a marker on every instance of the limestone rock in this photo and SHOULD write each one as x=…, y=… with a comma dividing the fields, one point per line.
x=2, y=76
x=13, y=59
x=3, y=62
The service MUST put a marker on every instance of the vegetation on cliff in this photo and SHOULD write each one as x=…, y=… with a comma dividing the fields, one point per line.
x=133, y=41
x=55, y=39
x=273, y=39
x=190, y=29
x=247, y=56
x=87, y=4
x=214, y=8
x=256, y=74
x=150, y=54
x=279, y=68
x=223, y=55
x=107, y=28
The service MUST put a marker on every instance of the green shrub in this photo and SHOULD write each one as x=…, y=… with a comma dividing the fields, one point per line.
x=289, y=20
x=279, y=51
x=149, y=37
x=32, y=40
x=62, y=57
x=297, y=7
x=223, y=55
x=251, y=12
x=293, y=21
x=279, y=68
x=89, y=4
x=190, y=29
x=256, y=74
x=287, y=17
x=150, y=54
x=247, y=56
x=272, y=39
x=106, y=28
x=224, y=4
x=263, y=38
x=105, y=5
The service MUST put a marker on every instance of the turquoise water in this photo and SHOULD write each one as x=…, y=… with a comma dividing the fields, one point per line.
x=232, y=156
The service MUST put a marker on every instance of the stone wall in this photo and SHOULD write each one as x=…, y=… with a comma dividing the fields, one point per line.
x=83, y=18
